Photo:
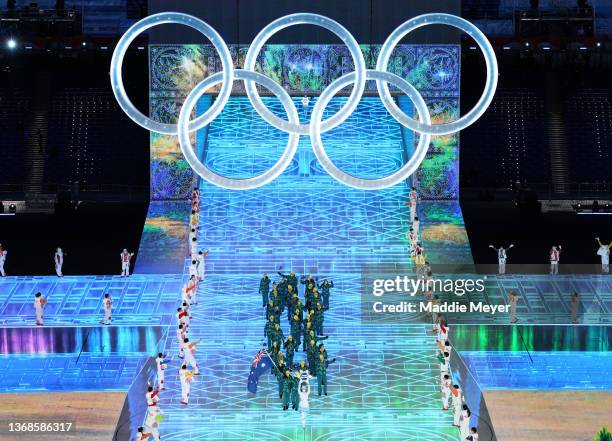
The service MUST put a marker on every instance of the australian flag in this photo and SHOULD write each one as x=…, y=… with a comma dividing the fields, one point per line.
x=260, y=365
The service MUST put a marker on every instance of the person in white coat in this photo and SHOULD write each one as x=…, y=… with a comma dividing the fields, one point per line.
x=58, y=260
x=305, y=104
x=445, y=384
x=464, y=423
x=202, y=264
x=603, y=252
x=189, y=349
x=3, y=254
x=107, y=305
x=555, y=255
x=473, y=436
x=126, y=257
x=415, y=227
x=160, y=363
x=39, y=306
x=457, y=401
x=304, y=393
x=185, y=378
x=413, y=203
x=502, y=257
x=152, y=400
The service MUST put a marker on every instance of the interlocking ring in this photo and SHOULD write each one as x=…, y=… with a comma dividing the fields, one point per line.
x=487, y=96
x=316, y=126
x=329, y=24
x=234, y=183
x=369, y=184
x=176, y=18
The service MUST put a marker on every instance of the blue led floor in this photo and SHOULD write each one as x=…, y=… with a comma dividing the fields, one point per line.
x=383, y=385
x=540, y=369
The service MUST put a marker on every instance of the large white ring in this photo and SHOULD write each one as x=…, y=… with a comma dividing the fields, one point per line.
x=237, y=183
x=361, y=183
x=164, y=18
x=329, y=24
x=490, y=86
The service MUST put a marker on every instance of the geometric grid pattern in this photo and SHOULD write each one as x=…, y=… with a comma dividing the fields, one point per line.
x=77, y=301
x=540, y=369
x=301, y=69
x=543, y=299
x=383, y=384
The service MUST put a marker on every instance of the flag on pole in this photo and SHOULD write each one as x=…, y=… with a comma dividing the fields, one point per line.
x=261, y=364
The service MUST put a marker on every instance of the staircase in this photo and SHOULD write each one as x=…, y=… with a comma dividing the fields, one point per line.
x=559, y=170
x=36, y=146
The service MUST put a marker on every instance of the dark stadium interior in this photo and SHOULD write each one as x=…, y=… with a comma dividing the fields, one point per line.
x=546, y=136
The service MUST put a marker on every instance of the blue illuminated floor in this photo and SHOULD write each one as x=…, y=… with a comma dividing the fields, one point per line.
x=77, y=301
x=540, y=369
x=383, y=385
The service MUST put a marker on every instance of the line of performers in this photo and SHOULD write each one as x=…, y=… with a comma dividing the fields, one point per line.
x=306, y=321
x=417, y=252
x=189, y=368
x=554, y=257
x=58, y=261
x=451, y=392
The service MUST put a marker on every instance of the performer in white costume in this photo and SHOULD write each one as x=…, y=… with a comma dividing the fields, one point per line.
x=39, y=306
x=3, y=254
x=58, y=260
x=603, y=252
x=125, y=262
x=555, y=254
x=107, y=304
x=502, y=257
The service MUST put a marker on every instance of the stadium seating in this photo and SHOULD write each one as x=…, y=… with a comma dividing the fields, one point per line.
x=510, y=142
x=588, y=120
x=13, y=115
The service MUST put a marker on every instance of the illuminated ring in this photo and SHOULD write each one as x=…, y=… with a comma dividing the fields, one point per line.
x=164, y=18
x=237, y=183
x=361, y=183
x=490, y=86
x=329, y=24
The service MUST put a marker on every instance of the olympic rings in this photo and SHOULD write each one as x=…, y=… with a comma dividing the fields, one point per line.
x=232, y=183
x=369, y=184
x=177, y=18
x=491, y=84
x=329, y=24
x=316, y=126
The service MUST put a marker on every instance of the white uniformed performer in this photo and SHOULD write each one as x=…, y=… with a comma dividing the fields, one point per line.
x=502, y=257
x=193, y=250
x=304, y=393
x=58, y=260
x=464, y=423
x=193, y=268
x=125, y=262
x=457, y=400
x=473, y=434
x=185, y=377
x=413, y=203
x=603, y=251
x=3, y=254
x=415, y=227
x=192, y=234
x=202, y=264
x=444, y=360
x=152, y=400
x=412, y=240
x=192, y=289
x=107, y=304
x=190, y=349
x=445, y=384
x=555, y=254
x=181, y=334
x=513, y=301
x=160, y=362
x=39, y=306
x=305, y=104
